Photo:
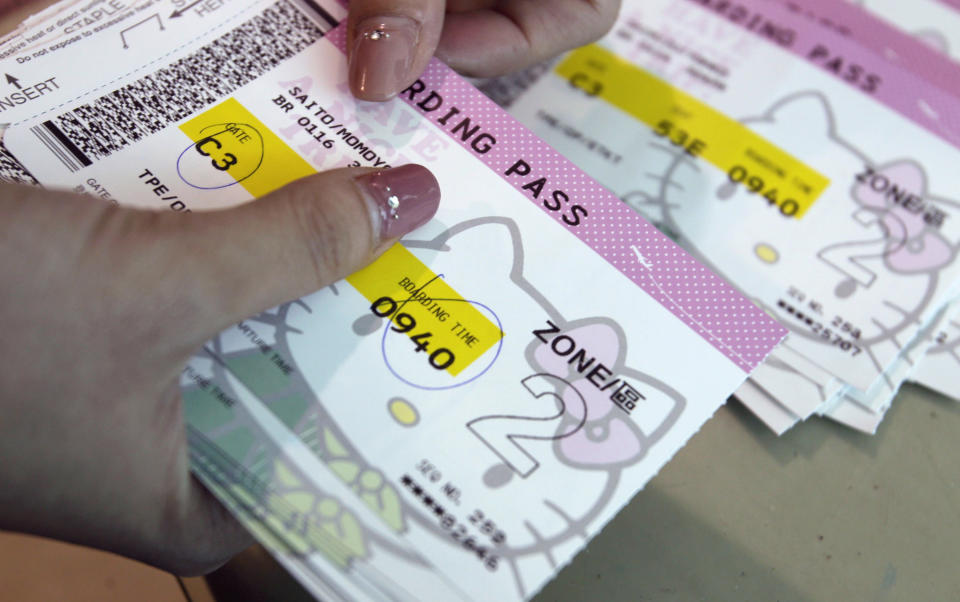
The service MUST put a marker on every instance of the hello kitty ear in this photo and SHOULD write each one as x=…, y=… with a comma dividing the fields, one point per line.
x=600, y=337
x=908, y=174
x=810, y=110
x=476, y=238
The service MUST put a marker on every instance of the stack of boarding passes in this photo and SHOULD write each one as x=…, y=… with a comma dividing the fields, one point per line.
x=805, y=151
x=458, y=419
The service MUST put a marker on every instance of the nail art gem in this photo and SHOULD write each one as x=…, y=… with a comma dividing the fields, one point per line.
x=393, y=201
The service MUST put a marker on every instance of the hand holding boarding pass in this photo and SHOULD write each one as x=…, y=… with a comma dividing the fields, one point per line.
x=125, y=296
x=507, y=408
x=154, y=266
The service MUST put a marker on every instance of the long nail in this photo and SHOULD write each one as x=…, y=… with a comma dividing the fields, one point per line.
x=402, y=199
x=382, y=56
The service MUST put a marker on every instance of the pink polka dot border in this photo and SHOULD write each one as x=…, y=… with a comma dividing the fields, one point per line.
x=702, y=300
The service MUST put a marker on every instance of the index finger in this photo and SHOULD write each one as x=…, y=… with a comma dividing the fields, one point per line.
x=512, y=35
x=390, y=43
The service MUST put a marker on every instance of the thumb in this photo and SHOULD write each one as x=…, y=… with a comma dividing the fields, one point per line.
x=294, y=241
x=390, y=43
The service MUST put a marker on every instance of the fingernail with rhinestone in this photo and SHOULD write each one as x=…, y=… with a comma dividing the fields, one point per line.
x=403, y=198
x=382, y=56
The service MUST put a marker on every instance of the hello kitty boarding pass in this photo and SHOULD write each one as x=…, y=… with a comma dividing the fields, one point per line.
x=813, y=174
x=805, y=390
x=504, y=381
x=935, y=23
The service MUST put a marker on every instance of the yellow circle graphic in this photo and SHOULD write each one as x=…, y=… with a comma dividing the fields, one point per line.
x=403, y=411
x=766, y=253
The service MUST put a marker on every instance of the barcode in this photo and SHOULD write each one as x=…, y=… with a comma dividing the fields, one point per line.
x=96, y=130
x=11, y=170
x=61, y=146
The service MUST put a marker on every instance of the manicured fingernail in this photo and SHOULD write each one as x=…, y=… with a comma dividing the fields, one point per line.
x=382, y=56
x=402, y=198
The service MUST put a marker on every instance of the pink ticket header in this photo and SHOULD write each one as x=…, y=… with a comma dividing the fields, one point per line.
x=952, y=3
x=931, y=102
x=705, y=302
x=875, y=34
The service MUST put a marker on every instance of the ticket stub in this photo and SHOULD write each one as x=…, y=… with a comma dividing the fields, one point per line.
x=763, y=142
x=937, y=25
x=495, y=388
x=804, y=389
x=940, y=368
x=914, y=35
x=796, y=382
x=783, y=391
x=42, y=54
x=878, y=399
x=776, y=416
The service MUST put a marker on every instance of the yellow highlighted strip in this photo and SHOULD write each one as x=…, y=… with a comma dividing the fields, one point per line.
x=435, y=308
x=229, y=140
x=748, y=159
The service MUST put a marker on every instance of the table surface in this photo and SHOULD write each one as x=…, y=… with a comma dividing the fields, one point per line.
x=822, y=513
